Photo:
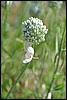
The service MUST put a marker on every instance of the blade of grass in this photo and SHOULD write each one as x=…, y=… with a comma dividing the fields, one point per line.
x=57, y=63
x=8, y=53
x=22, y=72
x=19, y=40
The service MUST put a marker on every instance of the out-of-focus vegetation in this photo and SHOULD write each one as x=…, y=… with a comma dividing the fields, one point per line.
x=39, y=72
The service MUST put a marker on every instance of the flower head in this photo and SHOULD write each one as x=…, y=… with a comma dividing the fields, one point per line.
x=33, y=30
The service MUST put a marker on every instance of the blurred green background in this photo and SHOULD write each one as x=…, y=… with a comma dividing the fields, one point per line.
x=39, y=71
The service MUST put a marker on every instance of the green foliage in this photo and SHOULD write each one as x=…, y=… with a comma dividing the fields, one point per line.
x=58, y=75
x=59, y=86
x=18, y=79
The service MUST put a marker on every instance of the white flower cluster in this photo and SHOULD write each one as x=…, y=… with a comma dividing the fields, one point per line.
x=33, y=30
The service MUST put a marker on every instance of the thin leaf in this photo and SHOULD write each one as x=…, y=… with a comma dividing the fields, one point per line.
x=58, y=75
x=17, y=80
x=7, y=52
x=19, y=40
x=59, y=86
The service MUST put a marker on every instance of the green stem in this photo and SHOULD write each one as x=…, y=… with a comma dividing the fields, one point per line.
x=22, y=71
x=8, y=53
x=5, y=19
x=56, y=63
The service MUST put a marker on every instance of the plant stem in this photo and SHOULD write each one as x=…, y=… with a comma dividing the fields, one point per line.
x=57, y=63
x=5, y=19
x=22, y=71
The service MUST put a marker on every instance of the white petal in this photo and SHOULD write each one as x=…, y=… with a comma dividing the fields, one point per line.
x=28, y=56
x=49, y=95
x=27, y=60
x=30, y=50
